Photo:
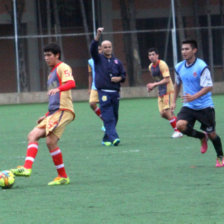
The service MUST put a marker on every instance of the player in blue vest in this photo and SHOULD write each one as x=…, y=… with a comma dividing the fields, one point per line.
x=193, y=73
x=109, y=73
x=93, y=94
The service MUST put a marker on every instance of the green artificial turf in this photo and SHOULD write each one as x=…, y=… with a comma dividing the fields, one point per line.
x=148, y=179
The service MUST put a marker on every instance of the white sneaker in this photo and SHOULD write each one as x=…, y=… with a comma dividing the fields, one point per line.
x=177, y=134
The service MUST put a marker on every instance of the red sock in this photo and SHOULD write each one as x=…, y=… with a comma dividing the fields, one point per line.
x=31, y=153
x=98, y=112
x=173, y=123
x=58, y=162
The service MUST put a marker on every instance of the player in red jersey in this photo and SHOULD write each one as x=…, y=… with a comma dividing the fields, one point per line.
x=60, y=113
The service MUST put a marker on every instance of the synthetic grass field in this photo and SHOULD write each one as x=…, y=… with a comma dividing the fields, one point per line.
x=149, y=178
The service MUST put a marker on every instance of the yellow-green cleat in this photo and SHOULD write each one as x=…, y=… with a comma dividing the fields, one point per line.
x=116, y=142
x=59, y=181
x=21, y=171
x=106, y=143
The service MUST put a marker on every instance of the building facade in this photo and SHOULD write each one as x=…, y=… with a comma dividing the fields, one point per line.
x=132, y=25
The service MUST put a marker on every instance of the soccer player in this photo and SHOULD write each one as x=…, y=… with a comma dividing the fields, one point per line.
x=109, y=73
x=60, y=113
x=93, y=97
x=161, y=75
x=193, y=73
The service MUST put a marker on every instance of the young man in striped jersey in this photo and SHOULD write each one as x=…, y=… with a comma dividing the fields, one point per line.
x=60, y=113
x=161, y=76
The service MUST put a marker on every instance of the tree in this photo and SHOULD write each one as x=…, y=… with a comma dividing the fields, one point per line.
x=48, y=7
x=180, y=23
x=131, y=42
x=58, y=27
x=85, y=24
x=198, y=31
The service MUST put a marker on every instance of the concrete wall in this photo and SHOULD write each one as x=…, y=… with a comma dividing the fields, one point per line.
x=82, y=95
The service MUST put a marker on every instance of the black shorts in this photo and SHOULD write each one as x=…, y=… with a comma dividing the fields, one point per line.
x=205, y=116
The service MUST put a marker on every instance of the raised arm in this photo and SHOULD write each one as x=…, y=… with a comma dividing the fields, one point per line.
x=94, y=44
x=98, y=33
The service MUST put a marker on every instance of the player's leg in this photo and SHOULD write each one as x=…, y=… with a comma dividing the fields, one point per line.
x=207, y=120
x=164, y=107
x=31, y=153
x=216, y=141
x=116, y=99
x=164, y=104
x=56, y=154
x=93, y=100
x=109, y=123
x=185, y=122
x=173, y=123
x=63, y=118
x=172, y=118
x=96, y=109
x=109, y=119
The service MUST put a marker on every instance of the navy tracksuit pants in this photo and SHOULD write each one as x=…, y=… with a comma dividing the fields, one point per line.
x=109, y=105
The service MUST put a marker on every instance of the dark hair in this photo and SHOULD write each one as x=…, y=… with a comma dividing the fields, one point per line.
x=193, y=43
x=54, y=48
x=153, y=49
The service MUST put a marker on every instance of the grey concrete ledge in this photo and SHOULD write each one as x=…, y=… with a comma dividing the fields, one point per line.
x=82, y=95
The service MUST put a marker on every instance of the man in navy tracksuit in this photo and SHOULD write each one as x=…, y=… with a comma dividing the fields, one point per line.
x=109, y=73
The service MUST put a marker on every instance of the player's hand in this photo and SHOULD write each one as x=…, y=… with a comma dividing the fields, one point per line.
x=40, y=119
x=52, y=92
x=150, y=86
x=98, y=33
x=187, y=98
x=116, y=79
x=100, y=30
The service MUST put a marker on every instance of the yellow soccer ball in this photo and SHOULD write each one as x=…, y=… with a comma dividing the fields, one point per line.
x=7, y=179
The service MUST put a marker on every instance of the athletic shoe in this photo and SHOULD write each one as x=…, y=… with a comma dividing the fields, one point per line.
x=204, y=144
x=177, y=134
x=116, y=142
x=59, y=181
x=21, y=171
x=103, y=128
x=106, y=143
x=219, y=162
